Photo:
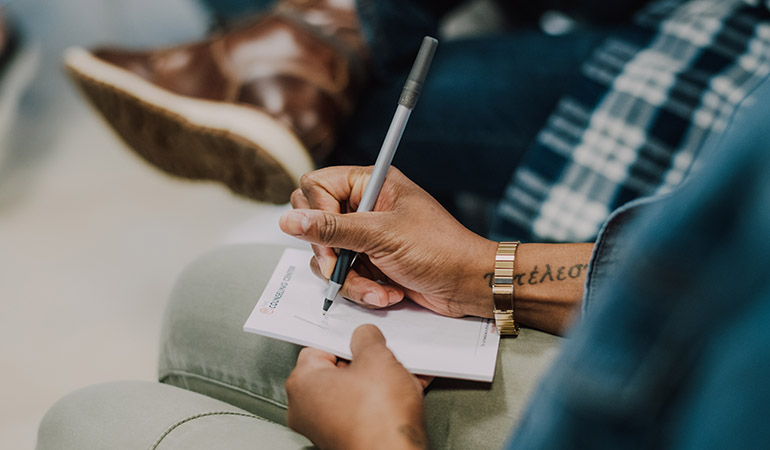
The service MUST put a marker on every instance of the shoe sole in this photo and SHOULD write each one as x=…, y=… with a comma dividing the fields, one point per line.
x=242, y=147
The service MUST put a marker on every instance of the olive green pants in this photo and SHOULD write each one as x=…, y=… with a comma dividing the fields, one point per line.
x=223, y=388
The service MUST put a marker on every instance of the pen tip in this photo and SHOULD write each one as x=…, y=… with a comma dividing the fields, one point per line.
x=327, y=305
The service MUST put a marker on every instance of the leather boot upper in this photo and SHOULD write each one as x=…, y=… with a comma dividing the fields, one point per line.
x=303, y=63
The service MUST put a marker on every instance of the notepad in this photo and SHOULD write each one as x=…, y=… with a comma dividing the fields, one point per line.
x=290, y=309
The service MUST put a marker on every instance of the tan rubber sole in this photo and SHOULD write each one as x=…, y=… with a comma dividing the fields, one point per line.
x=241, y=147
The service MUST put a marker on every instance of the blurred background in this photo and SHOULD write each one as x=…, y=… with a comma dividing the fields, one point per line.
x=92, y=237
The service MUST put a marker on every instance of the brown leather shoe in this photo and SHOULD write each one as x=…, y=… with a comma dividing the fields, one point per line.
x=254, y=108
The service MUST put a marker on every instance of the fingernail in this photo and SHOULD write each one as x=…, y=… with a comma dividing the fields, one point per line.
x=394, y=296
x=296, y=222
x=372, y=298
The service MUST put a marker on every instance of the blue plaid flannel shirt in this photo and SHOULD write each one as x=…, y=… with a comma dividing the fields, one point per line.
x=633, y=123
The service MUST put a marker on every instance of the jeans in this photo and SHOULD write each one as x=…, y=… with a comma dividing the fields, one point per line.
x=483, y=102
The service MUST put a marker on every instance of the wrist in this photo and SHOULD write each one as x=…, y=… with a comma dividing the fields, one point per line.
x=400, y=435
x=405, y=437
x=475, y=290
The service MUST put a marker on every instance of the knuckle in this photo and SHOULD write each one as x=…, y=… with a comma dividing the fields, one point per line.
x=358, y=174
x=305, y=179
x=309, y=179
x=296, y=195
x=327, y=228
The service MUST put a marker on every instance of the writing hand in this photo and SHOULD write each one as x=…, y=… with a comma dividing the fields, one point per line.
x=409, y=243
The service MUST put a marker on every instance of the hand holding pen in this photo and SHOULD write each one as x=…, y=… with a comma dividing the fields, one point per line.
x=415, y=247
x=406, y=103
x=408, y=247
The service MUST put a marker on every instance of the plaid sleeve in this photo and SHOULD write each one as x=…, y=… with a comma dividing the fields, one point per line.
x=633, y=123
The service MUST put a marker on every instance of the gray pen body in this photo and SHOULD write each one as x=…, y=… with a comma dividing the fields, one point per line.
x=385, y=157
x=406, y=103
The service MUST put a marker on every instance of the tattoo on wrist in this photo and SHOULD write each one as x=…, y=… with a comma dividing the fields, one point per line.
x=562, y=273
x=491, y=276
x=413, y=435
x=536, y=276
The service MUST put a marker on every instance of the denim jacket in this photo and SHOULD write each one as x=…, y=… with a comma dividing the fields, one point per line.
x=674, y=347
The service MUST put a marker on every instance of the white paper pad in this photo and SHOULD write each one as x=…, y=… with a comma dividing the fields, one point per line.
x=290, y=309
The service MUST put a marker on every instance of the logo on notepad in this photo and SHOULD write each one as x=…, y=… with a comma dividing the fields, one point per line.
x=273, y=304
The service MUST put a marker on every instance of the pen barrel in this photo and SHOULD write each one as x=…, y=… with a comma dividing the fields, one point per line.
x=344, y=259
x=385, y=157
x=406, y=103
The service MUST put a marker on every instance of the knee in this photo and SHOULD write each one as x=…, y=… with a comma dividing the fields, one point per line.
x=218, y=290
x=55, y=431
x=136, y=414
x=90, y=418
x=203, y=345
x=223, y=276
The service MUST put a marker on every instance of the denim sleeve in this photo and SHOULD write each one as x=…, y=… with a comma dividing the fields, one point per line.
x=726, y=403
x=611, y=246
x=675, y=353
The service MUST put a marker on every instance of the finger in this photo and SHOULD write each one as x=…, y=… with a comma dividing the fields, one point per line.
x=326, y=259
x=316, y=269
x=341, y=363
x=367, y=340
x=367, y=267
x=367, y=292
x=327, y=188
x=298, y=200
x=354, y=231
x=312, y=358
x=424, y=380
x=362, y=290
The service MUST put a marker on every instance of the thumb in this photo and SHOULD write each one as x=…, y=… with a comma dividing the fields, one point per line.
x=353, y=231
x=367, y=340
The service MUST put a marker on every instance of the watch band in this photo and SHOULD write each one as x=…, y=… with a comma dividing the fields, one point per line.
x=502, y=289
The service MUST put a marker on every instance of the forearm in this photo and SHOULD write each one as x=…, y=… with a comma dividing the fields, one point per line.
x=548, y=284
x=549, y=281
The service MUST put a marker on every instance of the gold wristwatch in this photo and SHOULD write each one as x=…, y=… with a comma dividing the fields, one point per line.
x=502, y=289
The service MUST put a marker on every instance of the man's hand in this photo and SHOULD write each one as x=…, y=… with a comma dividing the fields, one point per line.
x=408, y=245
x=370, y=403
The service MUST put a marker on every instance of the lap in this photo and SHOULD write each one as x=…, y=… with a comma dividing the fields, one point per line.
x=205, y=349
